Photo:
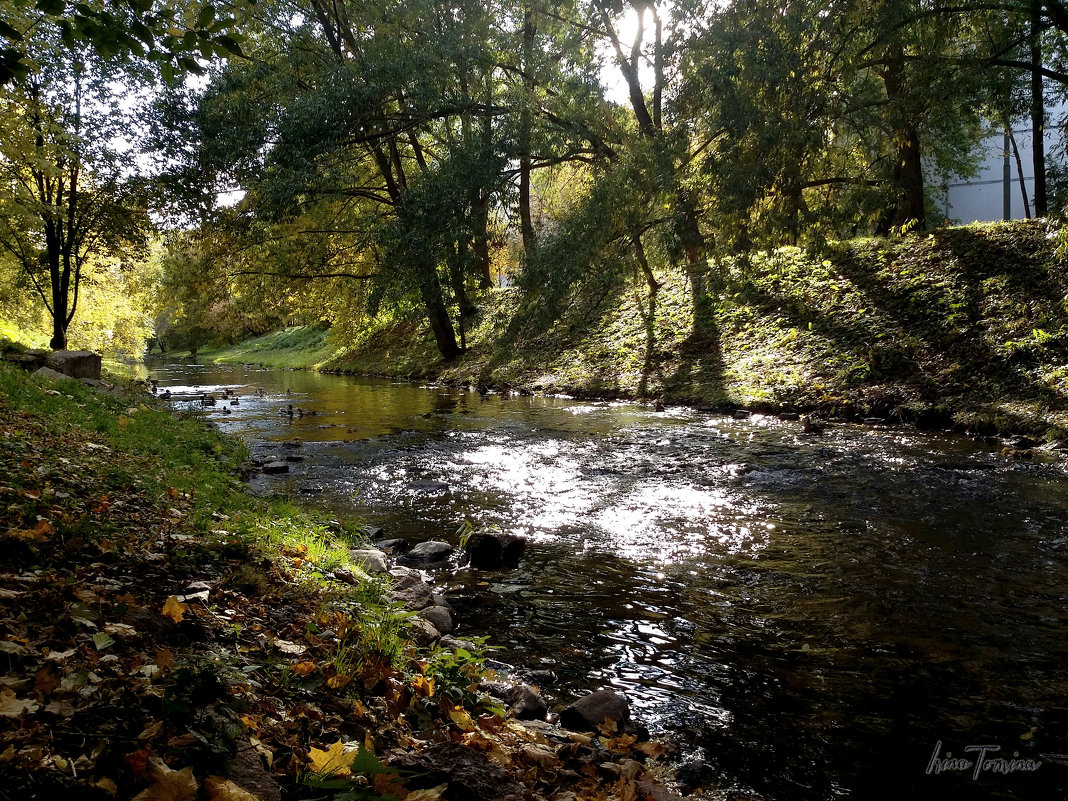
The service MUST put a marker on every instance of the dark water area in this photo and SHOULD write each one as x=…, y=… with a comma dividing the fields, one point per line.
x=839, y=615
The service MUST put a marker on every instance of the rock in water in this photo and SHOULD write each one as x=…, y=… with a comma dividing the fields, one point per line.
x=490, y=550
x=272, y=468
x=439, y=617
x=430, y=551
x=590, y=712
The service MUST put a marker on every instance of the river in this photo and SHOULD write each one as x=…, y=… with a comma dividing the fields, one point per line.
x=816, y=616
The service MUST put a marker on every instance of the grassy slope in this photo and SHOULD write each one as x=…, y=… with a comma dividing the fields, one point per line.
x=965, y=326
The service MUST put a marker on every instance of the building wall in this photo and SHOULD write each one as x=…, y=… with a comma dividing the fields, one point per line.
x=984, y=198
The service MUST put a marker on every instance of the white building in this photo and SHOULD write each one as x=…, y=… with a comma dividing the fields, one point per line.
x=994, y=193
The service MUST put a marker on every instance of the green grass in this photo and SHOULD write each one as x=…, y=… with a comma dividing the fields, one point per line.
x=296, y=347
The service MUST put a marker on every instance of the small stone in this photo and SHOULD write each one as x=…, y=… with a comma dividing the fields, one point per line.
x=393, y=546
x=430, y=551
x=439, y=618
x=591, y=711
x=370, y=559
x=526, y=703
x=874, y=421
x=789, y=417
x=423, y=631
x=49, y=373
x=310, y=489
x=346, y=575
x=456, y=644
x=742, y=414
x=273, y=468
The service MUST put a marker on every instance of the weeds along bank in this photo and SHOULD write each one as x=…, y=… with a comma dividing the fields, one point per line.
x=166, y=635
x=962, y=327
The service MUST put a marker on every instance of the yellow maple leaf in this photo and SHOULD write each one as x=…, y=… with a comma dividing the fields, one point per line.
x=174, y=609
x=423, y=687
x=333, y=762
x=338, y=681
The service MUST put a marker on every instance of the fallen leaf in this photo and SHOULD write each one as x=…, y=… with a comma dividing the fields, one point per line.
x=424, y=687
x=652, y=750
x=107, y=785
x=339, y=681
x=12, y=707
x=8, y=755
x=459, y=716
x=430, y=794
x=287, y=647
x=59, y=656
x=103, y=640
x=13, y=648
x=164, y=658
x=174, y=609
x=334, y=762
x=220, y=789
x=169, y=785
x=304, y=668
x=46, y=679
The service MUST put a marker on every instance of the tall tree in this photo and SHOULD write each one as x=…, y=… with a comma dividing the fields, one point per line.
x=65, y=195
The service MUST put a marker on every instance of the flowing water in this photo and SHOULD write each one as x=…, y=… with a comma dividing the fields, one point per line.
x=816, y=616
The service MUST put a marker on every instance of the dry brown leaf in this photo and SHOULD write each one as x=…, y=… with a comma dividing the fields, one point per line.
x=174, y=609
x=430, y=794
x=220, y=789
x=12, y=707
x=107, y=785
x=652, y=750
x=304, y=668
x=47, y=679
x=339, y=681
x=169, y=785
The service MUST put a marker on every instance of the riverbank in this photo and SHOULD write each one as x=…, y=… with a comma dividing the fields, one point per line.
x=165, y=633
x=963, y=328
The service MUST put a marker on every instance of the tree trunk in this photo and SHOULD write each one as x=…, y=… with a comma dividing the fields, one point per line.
x=526, y=223
x=907, y=207
x=437, y=314
x=1038, y=112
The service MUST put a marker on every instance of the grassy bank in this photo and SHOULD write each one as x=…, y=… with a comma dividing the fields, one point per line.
x=963, y=327
x=164, y=635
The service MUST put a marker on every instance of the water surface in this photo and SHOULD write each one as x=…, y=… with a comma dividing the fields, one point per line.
x=812, y=614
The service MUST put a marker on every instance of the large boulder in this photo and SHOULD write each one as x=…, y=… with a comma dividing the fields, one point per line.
x=594, y=710
x=75, y=363
x=490, y=550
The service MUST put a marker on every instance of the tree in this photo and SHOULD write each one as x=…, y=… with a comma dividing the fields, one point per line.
x=65, y=197
x=138, y=28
